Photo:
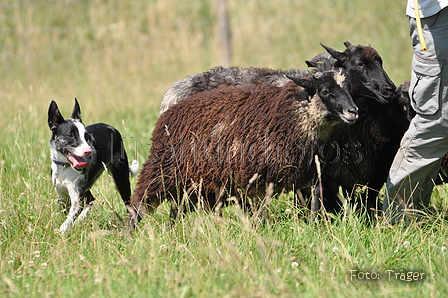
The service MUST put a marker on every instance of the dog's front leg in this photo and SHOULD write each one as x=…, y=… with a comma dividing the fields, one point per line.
x=87, y=203
x=74, y=209
x=84, y=212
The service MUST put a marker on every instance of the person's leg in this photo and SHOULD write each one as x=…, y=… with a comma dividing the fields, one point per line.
x=416, y=164
x=425, y=143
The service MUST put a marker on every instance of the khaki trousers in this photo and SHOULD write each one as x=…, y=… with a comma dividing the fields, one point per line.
x=417, y=163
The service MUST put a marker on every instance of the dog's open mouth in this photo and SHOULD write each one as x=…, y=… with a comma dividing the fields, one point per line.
x=77, y=162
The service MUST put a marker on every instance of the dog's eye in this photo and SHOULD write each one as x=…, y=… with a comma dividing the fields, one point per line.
x=70, y=135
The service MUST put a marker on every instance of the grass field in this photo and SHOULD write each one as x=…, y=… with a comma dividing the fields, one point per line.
x=118, y=58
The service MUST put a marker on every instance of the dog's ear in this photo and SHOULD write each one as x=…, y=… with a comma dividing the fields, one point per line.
x=54, y=116
x=76, y=114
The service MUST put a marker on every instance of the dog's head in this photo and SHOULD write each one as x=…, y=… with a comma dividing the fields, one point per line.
x=70, y=142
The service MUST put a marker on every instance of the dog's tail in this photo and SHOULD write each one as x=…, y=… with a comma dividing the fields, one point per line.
x=134, y=167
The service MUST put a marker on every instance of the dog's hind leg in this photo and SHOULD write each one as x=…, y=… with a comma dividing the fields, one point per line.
x=119, y=168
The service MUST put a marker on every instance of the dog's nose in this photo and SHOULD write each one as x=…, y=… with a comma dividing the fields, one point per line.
x=87, y=152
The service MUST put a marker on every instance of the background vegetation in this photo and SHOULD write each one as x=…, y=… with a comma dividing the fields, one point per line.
x=118, y=58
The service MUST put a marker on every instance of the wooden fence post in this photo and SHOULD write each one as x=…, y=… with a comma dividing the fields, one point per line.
x=225, y=33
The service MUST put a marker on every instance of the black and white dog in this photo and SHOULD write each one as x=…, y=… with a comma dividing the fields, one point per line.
x=79, y=155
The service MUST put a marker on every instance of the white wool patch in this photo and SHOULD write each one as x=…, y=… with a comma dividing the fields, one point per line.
x=339, y=78
x=317, y=74
x=218, y=129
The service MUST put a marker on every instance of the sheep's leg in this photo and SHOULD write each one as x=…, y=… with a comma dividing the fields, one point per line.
x=317, y=200
x=174, y=210
x=186, y=197
x=262, y=212
x=138, y=209
x=315, y=205
x=134, y=216
x=326, y=197
x=300, y=196
x=370, y=199
x=219, y=200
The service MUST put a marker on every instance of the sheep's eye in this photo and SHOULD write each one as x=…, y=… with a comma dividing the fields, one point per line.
x=360, y=65
x=325, y=92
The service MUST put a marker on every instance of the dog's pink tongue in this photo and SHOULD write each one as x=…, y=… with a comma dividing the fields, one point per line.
x=76, y=163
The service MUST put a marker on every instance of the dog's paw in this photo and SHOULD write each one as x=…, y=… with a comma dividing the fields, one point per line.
x=65, y=227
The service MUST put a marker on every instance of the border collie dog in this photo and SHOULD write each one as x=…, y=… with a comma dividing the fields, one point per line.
x=79, y=155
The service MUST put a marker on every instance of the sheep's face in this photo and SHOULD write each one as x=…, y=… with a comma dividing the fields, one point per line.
x=330, y=88
x=365, y=71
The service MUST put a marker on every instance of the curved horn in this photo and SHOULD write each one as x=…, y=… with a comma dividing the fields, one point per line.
x=322, y=61
x=348, y=45
x=322, y=57
x=339, y=56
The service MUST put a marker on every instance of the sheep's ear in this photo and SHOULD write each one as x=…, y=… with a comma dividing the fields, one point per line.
x=340, y=56
x=312, y=63
x=54, y=116
x=76, y=114
x=305, y=83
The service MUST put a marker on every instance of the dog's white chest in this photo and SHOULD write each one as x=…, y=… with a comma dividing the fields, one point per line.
x=66, y=180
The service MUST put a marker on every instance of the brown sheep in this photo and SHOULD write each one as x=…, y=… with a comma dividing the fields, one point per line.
x=360, y=154
x=220, y=138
